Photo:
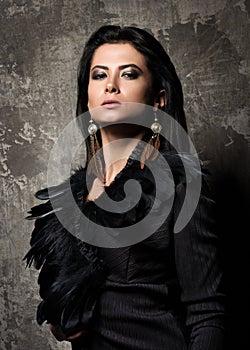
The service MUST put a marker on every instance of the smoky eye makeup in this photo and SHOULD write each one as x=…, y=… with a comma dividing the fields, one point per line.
x=128, y=71
x=97, y=75
x=130, y=74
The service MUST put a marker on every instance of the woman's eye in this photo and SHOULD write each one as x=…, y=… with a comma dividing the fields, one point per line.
x=98, y=76
x=130, y=75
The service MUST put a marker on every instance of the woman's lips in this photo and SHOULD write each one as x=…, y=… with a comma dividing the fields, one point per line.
x=109, y=104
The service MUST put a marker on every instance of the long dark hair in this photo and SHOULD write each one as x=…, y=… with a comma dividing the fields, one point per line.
x=157, y=60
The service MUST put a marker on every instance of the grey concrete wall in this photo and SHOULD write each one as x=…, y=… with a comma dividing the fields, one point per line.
x=41, y=43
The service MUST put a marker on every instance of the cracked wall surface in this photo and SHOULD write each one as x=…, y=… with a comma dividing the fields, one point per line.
x=41, y=44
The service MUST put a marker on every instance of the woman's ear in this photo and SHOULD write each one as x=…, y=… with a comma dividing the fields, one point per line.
x=160, y=100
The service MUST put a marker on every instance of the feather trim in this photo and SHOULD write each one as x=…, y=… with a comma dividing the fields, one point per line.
x=72, y=276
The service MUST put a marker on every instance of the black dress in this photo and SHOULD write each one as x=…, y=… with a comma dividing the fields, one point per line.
x=164, y=292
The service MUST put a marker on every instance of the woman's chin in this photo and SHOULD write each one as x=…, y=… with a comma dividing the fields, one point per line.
x=123, y=113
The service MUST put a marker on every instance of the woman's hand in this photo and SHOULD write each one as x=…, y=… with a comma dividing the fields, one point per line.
x=60, y=335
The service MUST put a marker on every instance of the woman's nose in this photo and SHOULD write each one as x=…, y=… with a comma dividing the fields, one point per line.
x=111, y=87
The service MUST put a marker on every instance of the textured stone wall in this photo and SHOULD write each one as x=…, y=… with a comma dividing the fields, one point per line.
x=41, y=43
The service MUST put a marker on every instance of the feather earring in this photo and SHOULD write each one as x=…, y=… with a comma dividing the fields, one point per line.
x=95, y=165
x=151, y=149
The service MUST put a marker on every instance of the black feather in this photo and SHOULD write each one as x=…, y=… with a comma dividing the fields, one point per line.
x=71, y=275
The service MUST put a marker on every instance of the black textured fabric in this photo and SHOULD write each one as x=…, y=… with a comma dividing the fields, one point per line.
x=164, y=292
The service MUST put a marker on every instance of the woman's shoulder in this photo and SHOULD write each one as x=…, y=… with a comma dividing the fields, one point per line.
x=185, y=167
x=49, y=233
x=57, y=197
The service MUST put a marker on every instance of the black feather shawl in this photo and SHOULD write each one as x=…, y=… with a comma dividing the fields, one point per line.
x=71, y=275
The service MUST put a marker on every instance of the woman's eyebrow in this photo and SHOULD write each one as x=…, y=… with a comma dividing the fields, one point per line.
x=99, y=66
x=130, y=65
x=120, y=67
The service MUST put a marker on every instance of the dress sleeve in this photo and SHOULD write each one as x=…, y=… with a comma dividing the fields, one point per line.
x=200, y=275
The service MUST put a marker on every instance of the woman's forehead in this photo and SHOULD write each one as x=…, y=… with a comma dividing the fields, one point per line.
x=117, y=53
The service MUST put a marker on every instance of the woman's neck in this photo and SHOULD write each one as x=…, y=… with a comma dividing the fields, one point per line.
x=118, y=141
x=121, y=131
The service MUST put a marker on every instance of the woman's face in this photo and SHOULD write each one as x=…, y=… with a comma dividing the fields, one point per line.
x=118, y=73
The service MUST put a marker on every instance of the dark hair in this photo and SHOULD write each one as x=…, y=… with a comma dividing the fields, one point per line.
x=157, y=60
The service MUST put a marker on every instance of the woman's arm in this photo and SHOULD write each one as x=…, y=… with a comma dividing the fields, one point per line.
x=200, y=275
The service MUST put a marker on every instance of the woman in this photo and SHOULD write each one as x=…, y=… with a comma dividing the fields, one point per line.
x=164, y=291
